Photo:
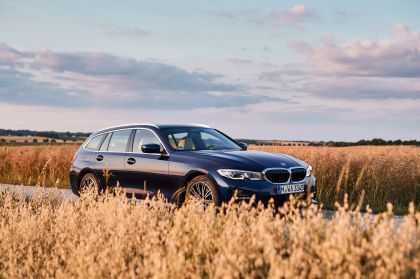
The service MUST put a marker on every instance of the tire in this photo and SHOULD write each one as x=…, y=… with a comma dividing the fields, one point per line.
x=89, y=182
x=203, y=189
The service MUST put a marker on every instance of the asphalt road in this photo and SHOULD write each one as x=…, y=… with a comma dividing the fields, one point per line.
x=68, y=195
x=30, y=191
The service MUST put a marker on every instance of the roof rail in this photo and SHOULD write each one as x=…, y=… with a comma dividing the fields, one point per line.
x=128, y=124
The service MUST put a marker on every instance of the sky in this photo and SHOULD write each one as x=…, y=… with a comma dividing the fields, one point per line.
x=308, y=70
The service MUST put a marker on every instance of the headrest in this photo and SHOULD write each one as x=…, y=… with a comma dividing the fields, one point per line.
x=186, y=144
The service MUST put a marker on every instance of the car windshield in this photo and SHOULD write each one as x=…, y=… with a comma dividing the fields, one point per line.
x=197, y=138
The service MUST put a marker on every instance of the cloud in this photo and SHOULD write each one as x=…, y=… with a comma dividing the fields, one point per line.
x=10, y=56
x=221, y=14
x=128, y=31
x=398, y=56
x=300, y=46
x=20, y=88
x=97, y=79
x=250, y=15
x=363, y=88
x=284, y=71
x=297, y=78
x=134, y=73
x=378, y=69
x=293, y=18
x=240, y=62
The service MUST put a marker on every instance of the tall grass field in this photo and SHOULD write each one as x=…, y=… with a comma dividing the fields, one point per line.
x=111, y=237
x=376, y=175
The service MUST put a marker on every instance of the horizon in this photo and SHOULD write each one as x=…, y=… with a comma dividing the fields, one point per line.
x=250, y=139
x=303, y=70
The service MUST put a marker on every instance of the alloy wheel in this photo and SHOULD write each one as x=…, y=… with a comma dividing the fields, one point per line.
x=88, y=183
x=201, y=192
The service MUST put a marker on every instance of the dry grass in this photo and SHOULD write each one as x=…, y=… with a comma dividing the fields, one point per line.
x=36, y=165
x=383, y=174
x=110, y=237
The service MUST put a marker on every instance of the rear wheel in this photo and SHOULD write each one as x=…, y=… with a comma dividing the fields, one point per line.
x=89, y=183
x=202, y=190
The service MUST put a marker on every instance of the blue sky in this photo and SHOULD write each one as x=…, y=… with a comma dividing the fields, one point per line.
x=308, y=70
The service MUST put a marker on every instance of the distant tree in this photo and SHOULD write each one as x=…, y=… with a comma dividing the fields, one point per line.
x=378, y=142
x=35, y=141
x=361, y=142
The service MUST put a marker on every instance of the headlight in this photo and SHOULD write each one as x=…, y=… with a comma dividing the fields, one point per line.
x=308, y=171
x=240, y=175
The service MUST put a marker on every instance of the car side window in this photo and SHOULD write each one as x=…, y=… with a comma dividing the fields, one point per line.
x=105, y=144
x=119, y=140
x=144, y=137
x=94, y=143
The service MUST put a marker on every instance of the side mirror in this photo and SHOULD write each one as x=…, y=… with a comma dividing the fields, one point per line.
x=151, y=148
x=243, y=145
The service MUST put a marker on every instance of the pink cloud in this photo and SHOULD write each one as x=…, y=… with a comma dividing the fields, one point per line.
x=292, y=18
x=300, y=47
x=45, y=77
x=397, y=56
x=387, y=68
x=10, y=56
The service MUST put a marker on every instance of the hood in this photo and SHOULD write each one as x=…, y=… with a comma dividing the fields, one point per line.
x=248, y=160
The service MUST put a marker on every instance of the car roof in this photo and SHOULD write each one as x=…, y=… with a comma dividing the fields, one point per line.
x=163, y=126
x=148, y=125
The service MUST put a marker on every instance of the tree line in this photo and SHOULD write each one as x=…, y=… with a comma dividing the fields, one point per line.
x=47, y=134
x=375, y=141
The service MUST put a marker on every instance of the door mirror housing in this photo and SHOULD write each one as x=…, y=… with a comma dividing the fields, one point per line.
x=243, y=145
x=151, y=148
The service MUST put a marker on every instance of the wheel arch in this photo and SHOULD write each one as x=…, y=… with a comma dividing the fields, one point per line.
x=193, y=174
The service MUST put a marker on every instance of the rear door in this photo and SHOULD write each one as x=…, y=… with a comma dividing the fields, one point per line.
x=109, y=159
x=146, y=173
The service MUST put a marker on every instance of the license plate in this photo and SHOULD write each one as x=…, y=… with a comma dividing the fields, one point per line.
x=288, y=189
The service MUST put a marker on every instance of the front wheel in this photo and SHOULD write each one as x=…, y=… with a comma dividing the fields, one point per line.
x=202, y=189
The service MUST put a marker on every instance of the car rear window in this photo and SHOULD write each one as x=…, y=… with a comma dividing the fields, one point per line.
x=94, y=143
x=119, y=140
x=104, y=146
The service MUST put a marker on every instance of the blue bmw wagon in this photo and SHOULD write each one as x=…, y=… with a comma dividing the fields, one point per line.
x=186, y=161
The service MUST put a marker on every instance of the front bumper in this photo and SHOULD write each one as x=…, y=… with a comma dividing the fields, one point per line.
x=263, y=190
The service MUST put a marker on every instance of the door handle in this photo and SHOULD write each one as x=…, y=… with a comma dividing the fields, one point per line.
x=131, y=161
x=99, y=158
